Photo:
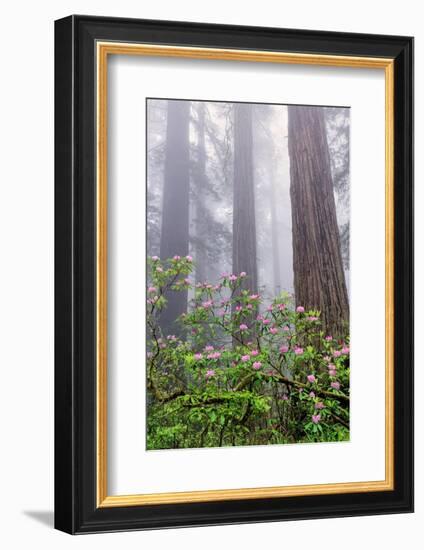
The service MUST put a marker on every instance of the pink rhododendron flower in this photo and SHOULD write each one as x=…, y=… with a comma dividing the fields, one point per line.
x=254, y=296
x=249, y=306
x=281, y=307
x=171, y=337
x=260, y=318
x=214, y=355
x=266, y=321
x=151, y=289
x=155, y=258
x=337, y=353
x=311, y=378
x=345, y=350
x=198, y=356
x=238, y=308
x=335, y=385
x=319, y=405
x=209, y=373
x=312, y=318
x=311, y=394
x=245, y=358
x=189, y=258
x=332, y=373
x=328, y=338
x=209, y=348
x=327, y=358
x=224, y=275
x=269, y=308
x=273, y=330
x=187, y=281
x=159, y=269
x=298, y=351
x=257, y=365
x=177, y=257
x=243, y=327
x=316, y=418
x=207, y=304
x=286, y=328
x=300, y=309
x=243, y=274
x=233, y=277
x=284, y=349
x=254, y=352
x=284, y=397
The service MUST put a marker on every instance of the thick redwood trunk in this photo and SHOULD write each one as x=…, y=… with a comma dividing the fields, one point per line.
x=244, y=227
x=319, y=281
x=175, y=211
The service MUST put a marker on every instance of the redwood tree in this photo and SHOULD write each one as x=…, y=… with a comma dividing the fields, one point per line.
x=319, y=281
x=200, y=185
x=175, y=207
x=244, y=227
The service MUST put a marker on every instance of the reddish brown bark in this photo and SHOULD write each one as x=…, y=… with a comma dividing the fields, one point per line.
x=319, y=281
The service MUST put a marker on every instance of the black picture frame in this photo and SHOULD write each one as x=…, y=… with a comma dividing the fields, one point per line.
x=76, y=510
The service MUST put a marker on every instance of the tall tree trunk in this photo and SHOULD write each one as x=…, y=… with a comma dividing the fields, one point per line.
x=319, y=281
x=175, y=210
x=244, y=227
x=199, y=188
x=275, y=238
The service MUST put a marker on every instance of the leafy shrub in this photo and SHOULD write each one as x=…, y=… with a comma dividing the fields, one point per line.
x=238, y=371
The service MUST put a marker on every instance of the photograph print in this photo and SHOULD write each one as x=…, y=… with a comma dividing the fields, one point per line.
x=247, y=290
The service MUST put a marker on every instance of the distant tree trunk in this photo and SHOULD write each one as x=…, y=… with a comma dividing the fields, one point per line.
x=200, y=187
x=175, y=210
x=319, y=281
x=275, y=237
x=244, y=227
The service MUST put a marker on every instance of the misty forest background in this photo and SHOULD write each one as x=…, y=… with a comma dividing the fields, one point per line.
x=208, y=160
x=257, y=189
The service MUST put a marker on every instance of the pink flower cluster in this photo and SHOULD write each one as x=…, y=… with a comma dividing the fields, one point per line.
x=316, y=418
x=332, y=370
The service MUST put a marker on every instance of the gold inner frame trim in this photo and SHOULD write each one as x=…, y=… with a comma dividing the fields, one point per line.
x=103, y=50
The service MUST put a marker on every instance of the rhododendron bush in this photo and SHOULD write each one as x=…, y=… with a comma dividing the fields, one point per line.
x=239, y=369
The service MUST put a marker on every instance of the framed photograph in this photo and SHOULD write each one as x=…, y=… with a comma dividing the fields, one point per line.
x=233, y=268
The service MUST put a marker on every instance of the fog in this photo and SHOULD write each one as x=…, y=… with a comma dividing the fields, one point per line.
x=210, y=176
